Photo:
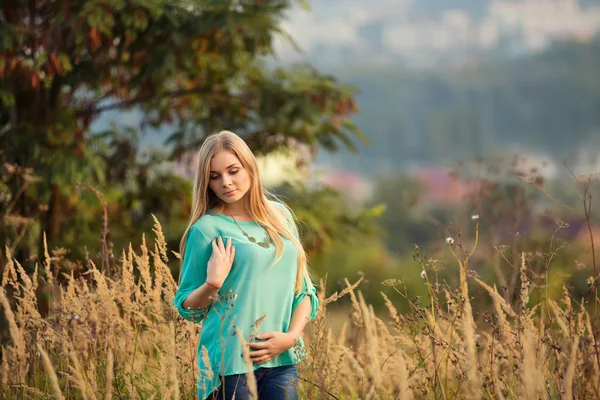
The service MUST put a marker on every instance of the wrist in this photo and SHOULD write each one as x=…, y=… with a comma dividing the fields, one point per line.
x=213, y=285
x=294, y=334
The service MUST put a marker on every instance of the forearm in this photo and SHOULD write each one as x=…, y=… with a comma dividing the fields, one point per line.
x=300, y=318
x=200, y=298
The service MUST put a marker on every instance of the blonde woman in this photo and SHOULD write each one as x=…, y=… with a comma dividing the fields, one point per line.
x=244, y=277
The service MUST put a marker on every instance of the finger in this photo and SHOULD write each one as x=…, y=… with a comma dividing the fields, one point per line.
x=258, y=345
x=257, y=354
x=221, y=246
x=214, y=246
x=232, y=253
x=228, y=247
x=262, y=360
x=266, y=336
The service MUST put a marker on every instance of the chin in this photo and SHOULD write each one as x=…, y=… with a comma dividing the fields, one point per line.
x=231, y=200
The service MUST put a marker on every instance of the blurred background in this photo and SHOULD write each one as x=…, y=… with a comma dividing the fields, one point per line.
x=440, y=81
x=389, y=126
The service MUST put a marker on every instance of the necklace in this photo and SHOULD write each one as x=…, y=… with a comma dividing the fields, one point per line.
x=264, y=244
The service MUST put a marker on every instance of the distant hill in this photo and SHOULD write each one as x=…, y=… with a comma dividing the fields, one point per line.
x=549, y=103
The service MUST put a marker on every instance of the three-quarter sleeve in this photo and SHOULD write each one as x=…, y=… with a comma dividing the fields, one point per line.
x=198, y=250
x=308, y=289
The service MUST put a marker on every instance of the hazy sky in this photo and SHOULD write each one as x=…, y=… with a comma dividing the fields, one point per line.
x=418, y=32
x=333, y=22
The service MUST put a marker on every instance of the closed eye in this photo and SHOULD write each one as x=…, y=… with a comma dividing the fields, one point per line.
x=232, y=172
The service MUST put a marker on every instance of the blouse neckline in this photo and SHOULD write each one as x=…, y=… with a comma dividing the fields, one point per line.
x=234, y=221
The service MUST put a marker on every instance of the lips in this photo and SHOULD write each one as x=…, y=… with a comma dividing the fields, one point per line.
x=230, y=193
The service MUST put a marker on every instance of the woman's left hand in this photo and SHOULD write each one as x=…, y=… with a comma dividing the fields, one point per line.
x=274, y=344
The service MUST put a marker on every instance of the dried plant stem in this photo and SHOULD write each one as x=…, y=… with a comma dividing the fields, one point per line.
x=127, y=326
x=250, y=379
x=587, y=206
x=109, y=374
x=105, y=252
x=51, y=373
x=570, y=374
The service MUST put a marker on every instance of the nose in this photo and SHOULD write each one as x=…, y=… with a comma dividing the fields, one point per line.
x=226, y=181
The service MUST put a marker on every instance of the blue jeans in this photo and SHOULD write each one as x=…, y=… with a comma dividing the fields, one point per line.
x=277, y=383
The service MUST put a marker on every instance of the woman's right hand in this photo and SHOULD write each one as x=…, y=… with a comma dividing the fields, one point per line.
x=220, y=262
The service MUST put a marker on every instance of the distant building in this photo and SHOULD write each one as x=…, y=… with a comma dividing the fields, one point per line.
x=349, y=183
x=440, y=188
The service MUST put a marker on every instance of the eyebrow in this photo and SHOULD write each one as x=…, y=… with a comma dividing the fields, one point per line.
x=232, y=165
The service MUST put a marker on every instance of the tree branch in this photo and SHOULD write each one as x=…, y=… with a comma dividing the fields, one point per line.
x=94, y=109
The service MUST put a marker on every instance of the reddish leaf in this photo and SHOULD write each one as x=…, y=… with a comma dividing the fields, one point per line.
x=35, y=79
x=95, y=41
x=336, y=124
x=55, y=62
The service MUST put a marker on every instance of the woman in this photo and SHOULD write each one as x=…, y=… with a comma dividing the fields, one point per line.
x=244, y=276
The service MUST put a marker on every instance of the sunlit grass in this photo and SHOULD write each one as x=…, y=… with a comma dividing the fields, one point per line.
x=120, y=337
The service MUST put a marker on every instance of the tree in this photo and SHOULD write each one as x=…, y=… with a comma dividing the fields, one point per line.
x=197, y=64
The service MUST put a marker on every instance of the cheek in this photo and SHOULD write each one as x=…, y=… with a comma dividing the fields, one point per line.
x=244, y=179
x=213, y=184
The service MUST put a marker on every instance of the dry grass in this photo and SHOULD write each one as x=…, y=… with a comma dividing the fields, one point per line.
x=120, y=338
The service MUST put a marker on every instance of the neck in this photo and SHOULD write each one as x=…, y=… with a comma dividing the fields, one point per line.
x=238, y=208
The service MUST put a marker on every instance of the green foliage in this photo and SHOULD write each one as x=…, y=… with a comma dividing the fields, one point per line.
x=365, y=257
x=195, y=65
x=326, y=219
x=405, y=220
x=516, y=209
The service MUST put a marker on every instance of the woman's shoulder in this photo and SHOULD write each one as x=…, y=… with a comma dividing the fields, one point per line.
x=281, y=207
x=285, y=212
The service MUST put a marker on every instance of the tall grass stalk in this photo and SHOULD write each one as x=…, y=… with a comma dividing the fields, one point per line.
x=118, y=336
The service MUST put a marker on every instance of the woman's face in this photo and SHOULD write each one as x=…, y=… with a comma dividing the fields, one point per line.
x=228, y=178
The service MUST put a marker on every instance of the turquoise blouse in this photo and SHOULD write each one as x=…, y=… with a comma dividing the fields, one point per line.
x=253, y=290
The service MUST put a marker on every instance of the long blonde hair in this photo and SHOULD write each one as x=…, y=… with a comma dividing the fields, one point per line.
x=261, y=210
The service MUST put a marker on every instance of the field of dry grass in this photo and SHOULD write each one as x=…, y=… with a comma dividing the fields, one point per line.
x=119, y=337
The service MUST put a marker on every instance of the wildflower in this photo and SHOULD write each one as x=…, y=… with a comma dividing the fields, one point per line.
x=449, y=240
x=590, y=281
x=579, y=264
x=475, y=217
x=423, y=274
